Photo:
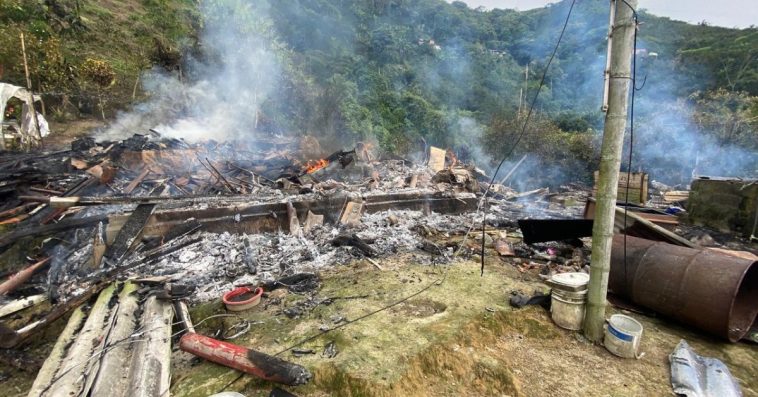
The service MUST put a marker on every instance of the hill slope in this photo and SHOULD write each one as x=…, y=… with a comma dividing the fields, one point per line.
x=401, y=72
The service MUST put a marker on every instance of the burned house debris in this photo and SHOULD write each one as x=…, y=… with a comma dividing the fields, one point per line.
x=125, y=235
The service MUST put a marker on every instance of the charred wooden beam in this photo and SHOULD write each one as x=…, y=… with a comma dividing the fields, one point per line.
x=354, y=241
x=10, y=338
x=271, y=217
x=21, y=277
x=129, y=233
x=43, y=230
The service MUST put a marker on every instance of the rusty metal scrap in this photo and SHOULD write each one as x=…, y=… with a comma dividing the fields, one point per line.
x=709, y=290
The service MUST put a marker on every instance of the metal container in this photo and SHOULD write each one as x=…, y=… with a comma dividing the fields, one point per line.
x=568, y=299
x=622, y=336
x=709, y=290
x=567, y=308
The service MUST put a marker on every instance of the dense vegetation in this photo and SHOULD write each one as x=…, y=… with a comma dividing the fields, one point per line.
x=410, y=73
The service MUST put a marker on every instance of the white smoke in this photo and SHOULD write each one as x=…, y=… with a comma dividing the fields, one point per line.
x=222, y=97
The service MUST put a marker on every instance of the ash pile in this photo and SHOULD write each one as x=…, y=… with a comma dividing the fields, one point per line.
x=214, y=216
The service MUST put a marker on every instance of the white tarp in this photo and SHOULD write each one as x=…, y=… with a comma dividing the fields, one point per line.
x=8, y=91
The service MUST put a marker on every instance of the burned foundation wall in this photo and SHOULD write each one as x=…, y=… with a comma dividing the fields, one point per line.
x=726, y=205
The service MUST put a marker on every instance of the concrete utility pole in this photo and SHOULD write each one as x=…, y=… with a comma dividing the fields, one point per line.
x=622, y=34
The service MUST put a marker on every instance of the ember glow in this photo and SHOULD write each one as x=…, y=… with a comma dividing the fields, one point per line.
x=313, y=166
x=452, y=159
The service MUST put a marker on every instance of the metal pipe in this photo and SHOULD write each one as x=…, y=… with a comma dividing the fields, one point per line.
x=712, y=291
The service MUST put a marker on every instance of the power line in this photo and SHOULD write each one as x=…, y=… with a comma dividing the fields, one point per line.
x=523, y=129
x=631, y=129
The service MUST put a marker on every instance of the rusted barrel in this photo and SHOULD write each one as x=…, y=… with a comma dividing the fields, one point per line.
x=712, y=291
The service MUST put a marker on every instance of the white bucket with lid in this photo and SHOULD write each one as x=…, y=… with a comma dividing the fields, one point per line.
x=568, y=299
x=623, y=335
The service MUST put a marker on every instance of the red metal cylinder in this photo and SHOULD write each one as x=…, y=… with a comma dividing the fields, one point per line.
x=712, y=291
x=243, y=359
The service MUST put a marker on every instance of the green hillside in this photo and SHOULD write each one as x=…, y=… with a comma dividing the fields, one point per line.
x=406, y=73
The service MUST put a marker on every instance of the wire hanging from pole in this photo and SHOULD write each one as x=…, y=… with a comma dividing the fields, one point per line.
x=523, y=129
x=631, y=129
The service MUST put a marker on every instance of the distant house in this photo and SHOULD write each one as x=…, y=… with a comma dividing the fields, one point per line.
x=430, y=43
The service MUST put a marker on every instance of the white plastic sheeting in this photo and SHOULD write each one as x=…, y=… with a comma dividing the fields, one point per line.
x=8, y=91
x=693, y=375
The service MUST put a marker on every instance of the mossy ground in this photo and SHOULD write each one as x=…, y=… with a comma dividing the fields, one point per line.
x=458, y=338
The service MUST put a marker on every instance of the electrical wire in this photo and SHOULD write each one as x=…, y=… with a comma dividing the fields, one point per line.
x=523, y=129
x=631, y=131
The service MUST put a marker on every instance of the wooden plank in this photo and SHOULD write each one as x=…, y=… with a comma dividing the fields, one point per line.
x=312, y=220
x=352, y=214
x=21, y=304
x=129, y=233
x=676, y=196
x=294, y=223
x=634, y=225
x=638, y=187
x=134, y=183
x=436, y=159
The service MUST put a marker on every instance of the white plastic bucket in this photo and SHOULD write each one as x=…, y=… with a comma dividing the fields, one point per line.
x=623, y=335
x=567, y=308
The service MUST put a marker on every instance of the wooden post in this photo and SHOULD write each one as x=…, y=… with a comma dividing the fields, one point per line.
x=610, y=161
x=29, y=87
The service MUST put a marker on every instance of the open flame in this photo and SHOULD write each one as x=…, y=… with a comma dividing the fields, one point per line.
x=452, y=159
x=312, y=166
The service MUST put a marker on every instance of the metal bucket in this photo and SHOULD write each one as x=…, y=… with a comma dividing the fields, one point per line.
x=622, y=336
x=567, y=308
x=710, y=290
